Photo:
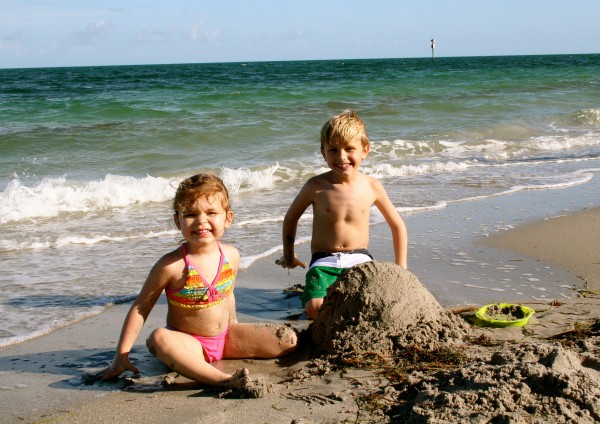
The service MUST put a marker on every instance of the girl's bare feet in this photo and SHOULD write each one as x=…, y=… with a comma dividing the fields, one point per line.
x=239, y=379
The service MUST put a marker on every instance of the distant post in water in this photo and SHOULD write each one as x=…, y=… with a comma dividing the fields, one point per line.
x=433, y=49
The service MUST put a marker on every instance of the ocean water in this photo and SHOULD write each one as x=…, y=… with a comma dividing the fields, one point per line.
x=89, y=157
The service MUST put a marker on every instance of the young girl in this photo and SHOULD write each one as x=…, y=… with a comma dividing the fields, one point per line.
x=198, y=279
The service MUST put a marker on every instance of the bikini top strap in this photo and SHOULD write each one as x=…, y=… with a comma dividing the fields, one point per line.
x=221, y=259
x=211, y=290
x=185, y=255
x=220, y=268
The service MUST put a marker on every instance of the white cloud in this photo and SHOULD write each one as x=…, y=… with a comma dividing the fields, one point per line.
x=213, y=35
x=298, y=34
x=196, y=32
x=12, y=43
x=93, y=32
x=152, y=36
x=196, y=26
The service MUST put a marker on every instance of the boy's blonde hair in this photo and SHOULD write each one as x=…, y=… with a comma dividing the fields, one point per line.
x=197, y=186
x=343, y=129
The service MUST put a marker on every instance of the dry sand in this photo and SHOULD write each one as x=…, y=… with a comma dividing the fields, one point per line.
x=386, y=351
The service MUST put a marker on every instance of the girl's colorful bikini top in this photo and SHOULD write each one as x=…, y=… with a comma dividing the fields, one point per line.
x=196, y=293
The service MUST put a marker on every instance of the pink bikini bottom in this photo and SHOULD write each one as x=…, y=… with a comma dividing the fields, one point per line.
x=212, y=346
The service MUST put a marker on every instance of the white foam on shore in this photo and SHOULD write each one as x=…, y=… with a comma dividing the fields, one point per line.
x=241, y=179
x=247, y=261
x=53, y=196
x=49, y=327
x=387, y=170
x=517, y=141
x=36, y=243
x=579, y=177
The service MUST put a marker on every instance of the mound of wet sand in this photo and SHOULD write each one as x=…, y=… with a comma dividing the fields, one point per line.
x=381, y=307
x=533, y=383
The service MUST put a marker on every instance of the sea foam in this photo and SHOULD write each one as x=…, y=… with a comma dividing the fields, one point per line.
x=53, y=196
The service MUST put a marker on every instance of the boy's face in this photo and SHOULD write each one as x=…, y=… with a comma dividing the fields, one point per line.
x=344, y=159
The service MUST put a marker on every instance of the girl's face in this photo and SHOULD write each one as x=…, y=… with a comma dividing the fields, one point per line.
x=204, y=221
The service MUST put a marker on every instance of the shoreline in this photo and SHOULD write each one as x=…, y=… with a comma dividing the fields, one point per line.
x=451, y=252
x=41, y=379
x=555, y=240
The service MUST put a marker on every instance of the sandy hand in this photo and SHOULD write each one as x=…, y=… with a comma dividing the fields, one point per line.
x=119, y=365
x=296, y=262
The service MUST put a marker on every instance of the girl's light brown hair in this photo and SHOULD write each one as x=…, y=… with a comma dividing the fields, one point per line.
x=197, y=186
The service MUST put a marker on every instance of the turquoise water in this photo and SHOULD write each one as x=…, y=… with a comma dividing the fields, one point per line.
x=89, y=156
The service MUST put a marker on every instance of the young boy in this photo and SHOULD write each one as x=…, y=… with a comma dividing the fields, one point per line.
x=341, y=199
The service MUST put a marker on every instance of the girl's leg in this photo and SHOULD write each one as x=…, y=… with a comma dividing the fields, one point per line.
x=259, y=340
x=183, y=354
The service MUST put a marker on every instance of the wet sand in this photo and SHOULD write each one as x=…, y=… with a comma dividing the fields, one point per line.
x=569, y=241
x=41, y=380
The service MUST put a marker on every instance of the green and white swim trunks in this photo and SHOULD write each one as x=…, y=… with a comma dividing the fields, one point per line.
x=326, y=267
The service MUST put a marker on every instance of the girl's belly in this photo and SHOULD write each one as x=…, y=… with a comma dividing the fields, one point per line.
x=204, y=322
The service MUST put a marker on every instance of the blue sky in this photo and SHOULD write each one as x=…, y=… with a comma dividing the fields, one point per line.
x=38, y=33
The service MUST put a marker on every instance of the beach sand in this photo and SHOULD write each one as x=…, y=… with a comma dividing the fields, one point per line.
x=570, y=242
x=44, y=380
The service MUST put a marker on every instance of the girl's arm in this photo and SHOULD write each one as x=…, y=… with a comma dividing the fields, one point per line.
x=157, y=280
x=233, y=257
x=392, y=217
x=232, y=312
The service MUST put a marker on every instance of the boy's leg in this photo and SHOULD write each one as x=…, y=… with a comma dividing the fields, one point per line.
x=183, y=353
x=312, y=307
x=318, y=279
x=259, y=340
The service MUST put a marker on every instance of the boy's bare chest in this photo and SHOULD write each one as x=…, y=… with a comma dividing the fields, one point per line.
x=338, y=204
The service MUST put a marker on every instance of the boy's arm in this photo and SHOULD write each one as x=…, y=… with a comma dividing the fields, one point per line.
x=392, y=217
x=290, y=225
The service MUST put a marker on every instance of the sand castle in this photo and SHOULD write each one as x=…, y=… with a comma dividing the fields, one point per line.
x=380, y=307
x=383, y=309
